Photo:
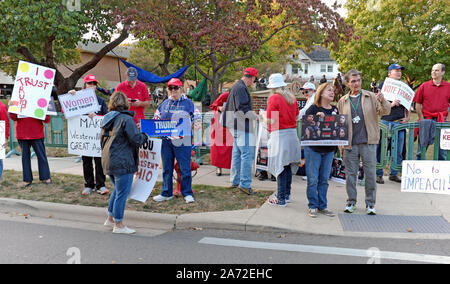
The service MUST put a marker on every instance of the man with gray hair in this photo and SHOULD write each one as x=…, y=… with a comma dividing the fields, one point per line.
x=432, y=102
x=362, y=109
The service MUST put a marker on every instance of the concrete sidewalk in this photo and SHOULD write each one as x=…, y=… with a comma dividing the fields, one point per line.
x=293, y=218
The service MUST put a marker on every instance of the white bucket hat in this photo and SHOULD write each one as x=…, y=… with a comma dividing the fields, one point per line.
x=309, y=85
x=276, y=81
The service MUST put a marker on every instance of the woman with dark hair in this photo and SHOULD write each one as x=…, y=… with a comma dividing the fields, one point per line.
x=120, y=142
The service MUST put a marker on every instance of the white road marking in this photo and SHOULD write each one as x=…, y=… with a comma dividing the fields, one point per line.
x=327, y=250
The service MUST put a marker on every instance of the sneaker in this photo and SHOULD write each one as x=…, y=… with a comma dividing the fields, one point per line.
x=371, y=210
x=275, y=201
x=312, y=213
x=108, y=223
x=189, y=199
x=102, y=190
x=247, y=191
x=380, y=180
x=87, y=191
x=288, y=199
x=160, y=198
x=350, y=208
x=395, y=178
x=327, y=212
x=124, y=230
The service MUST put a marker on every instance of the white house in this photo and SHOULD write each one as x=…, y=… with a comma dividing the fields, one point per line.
x=317, y=63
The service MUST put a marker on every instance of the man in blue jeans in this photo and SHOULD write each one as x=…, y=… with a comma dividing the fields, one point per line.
x=399, y=115
x=239, y=120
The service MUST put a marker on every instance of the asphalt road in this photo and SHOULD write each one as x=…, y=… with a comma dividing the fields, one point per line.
x=57, y=242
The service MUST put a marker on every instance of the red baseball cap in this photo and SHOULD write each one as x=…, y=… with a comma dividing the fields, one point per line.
x=175, y=82
x=251, y=72
x=90, y=78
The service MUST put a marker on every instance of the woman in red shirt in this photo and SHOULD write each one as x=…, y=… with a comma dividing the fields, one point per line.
x=283, y=145
x=30, y=133
x=4, y=117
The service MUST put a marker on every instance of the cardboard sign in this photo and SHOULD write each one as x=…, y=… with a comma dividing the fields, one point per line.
x=262, y=150
x=426, y=176
x=331, y=130
x=83, y=102
x=32, y=90
x=2, y=139
x=445, y=139
x=397, y=90
x=148, y=170
x=84, y=136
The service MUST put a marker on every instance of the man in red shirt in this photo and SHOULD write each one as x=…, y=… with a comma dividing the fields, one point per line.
x=433, y=99
x=137, y=94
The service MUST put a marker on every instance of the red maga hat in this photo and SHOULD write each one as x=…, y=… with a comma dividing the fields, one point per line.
x=175, y=82
x=251, y=71
x=90, y=78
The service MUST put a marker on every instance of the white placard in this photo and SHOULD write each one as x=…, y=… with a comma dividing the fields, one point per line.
x=148, y=170
x=83, y=102
x=397, y=90
x=32, y=90
x=84, y=136
x=445, y=138
x=426, y=176
x=2, y=139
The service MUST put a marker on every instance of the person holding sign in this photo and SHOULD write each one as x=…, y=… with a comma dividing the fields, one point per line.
x=30, y=133
x=363, y=108
x=4, y=117
x=120, y=141
x=399, y=115
x=320, y=158
x=432, y=102
x=90, y=81
x=177, y=108
x=283, y=146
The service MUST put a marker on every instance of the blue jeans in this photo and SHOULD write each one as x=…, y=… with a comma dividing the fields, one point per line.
x=318, y=173
x=1, y=169
x=39, y=150
x=284, y=181
x=170, y=152
x=118, y=199
x=242, y=159
x=400, y=144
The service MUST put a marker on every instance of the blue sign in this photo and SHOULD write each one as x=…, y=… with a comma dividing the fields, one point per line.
x=158, y=128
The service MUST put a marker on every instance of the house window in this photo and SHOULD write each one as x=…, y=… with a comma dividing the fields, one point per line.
x=330, y=68
x=323, y=68
x=295, y=69
x=306, y=69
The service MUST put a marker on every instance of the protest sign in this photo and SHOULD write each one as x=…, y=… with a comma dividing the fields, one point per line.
x=148, y=170
x=445, y=139
x=331, y=130
x=84, y=136
x=338, y=171
x=262, y=151
x=397, y=90
x=161, y=128
x=425, y=176
x=2, y=139
x=32, y=90
x=83, y=102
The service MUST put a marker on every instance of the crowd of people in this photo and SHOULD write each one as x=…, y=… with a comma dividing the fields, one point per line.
x=233, y=137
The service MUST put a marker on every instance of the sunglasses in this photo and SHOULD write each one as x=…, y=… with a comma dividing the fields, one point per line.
x=305, y=92
x=173, y=88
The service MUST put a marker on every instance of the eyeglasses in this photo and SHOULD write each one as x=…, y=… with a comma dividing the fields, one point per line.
x=173, y=88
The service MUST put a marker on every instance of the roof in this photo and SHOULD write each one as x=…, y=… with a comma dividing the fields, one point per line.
x=92, y=47
x=319, y=54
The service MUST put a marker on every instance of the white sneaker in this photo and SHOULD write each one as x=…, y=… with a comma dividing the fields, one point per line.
x=86, y=191
x=108, y=223
x=189, y=199
x=103, y=190
x=160, y=198
x=124, y=230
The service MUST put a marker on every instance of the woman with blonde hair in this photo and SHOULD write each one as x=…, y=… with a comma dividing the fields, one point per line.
x=320, y=158
x=284, y=146
x=120, y=141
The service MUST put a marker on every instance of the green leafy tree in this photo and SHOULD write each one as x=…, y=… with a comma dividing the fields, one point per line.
x=48, y=32
x=413, y=33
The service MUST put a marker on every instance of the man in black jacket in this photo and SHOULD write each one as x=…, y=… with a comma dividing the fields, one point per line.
x=239, y=118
